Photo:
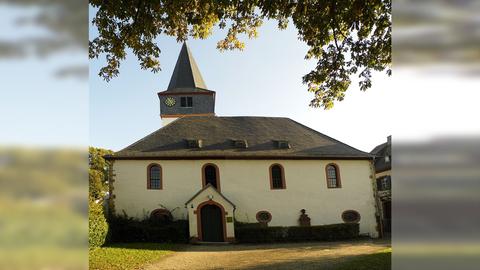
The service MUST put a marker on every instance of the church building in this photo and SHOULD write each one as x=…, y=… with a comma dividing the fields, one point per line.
x=214, y=171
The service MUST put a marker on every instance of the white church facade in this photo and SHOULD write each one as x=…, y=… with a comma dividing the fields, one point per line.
x=215, y=171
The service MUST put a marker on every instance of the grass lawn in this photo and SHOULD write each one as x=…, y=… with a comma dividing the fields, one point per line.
x=127, y=256
x=377, y=261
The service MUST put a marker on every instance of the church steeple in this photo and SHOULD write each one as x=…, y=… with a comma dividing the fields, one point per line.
x=186, y=94
x=186, y=74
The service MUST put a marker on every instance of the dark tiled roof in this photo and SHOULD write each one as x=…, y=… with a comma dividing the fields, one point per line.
x=186, y=76
x=217, y=134
x=380, y=152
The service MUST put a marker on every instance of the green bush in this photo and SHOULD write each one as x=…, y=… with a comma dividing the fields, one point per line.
x=97, y=225
x=257, y=234
x=247, y=225
x=123, y=229
x=260, y=234
x=297, y=233
x=335, y=231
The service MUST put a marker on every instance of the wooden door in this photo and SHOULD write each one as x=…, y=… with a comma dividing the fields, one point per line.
x=212, y=224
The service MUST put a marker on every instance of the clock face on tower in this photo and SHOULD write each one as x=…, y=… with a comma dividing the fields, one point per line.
x=170, y=101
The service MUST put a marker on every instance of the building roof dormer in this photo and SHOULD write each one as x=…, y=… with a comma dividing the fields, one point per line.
x=239, y=137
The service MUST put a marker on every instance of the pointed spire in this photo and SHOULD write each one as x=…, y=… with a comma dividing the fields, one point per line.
x=186, y=75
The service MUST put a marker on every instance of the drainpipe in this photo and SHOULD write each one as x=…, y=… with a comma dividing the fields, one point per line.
x=234, y=208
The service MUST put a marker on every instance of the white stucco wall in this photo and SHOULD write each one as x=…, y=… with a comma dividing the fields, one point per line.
x=168, y=120
x=246, y=183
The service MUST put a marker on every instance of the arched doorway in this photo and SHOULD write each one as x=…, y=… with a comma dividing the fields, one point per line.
x=211, y=219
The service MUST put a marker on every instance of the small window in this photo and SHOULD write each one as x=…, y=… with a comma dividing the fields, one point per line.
x=282, y=144
x=333, y=176
x=264, y=217
x=277, y=177
x=384, y=183
x=186, y=102
x=240, y=143
x=350, y=216
x=192, y=143
x=154, y=177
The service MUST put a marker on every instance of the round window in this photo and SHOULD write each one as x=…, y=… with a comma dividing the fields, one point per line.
x=351, y=216
x=264, y=216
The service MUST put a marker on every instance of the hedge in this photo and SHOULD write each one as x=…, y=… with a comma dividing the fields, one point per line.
x=258, y=234
x=123, y=229
x=97, y=225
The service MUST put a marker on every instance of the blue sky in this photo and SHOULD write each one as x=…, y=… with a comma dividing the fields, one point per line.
x=265, y=79
x=38, y=108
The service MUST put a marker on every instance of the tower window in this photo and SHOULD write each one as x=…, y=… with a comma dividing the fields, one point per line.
x=186, y=102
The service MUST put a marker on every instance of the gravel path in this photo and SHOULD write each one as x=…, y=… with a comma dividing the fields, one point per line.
x=306, y=256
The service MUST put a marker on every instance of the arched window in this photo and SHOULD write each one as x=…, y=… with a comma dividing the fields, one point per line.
x=277, y=177
x=211, y=175
x=154, y=180
x=333, y=176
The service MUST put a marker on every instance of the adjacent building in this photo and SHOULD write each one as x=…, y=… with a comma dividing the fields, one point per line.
x=383, y=175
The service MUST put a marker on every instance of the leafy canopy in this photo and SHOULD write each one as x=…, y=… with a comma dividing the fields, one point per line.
x=346, y=37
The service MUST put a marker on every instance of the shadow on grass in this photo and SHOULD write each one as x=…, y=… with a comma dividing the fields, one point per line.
x=437, y=261
x=296, y=246
x=377, y=261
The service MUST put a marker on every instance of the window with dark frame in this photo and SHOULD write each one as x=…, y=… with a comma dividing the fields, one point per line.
x=155, y=181
x=263, y=217
x=332, y=177
x=282, y=144
x=277, y=177
x=384, y=183
x=240, y=144
x=194, y=143
x=186, y=102
x=350, y=216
